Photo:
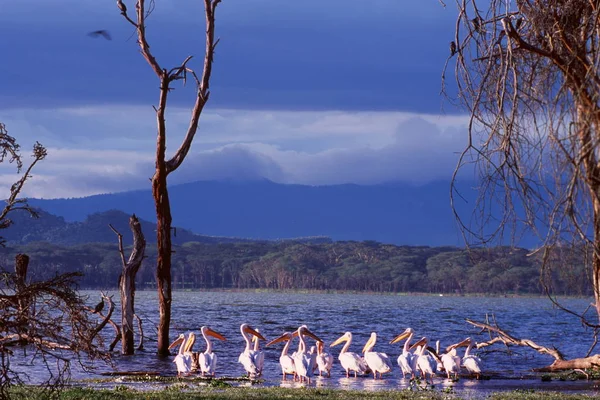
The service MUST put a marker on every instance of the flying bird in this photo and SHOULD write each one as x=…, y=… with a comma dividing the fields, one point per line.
x=99, y=33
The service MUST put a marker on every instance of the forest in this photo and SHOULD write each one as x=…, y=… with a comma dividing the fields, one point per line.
x=336, y=266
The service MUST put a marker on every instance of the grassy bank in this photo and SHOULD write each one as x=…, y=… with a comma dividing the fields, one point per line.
x=182, y=393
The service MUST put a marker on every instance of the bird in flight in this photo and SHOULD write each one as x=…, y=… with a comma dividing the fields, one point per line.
x=103, y=33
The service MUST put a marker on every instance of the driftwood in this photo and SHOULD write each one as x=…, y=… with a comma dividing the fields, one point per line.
x=498, y=335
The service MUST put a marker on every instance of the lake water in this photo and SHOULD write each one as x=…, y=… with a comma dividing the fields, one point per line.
x=330, y=315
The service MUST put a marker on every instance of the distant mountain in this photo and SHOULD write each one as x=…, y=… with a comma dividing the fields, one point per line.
x=95, y=228
x=391, y=213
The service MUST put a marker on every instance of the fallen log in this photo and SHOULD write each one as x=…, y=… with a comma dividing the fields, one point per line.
x=498, y=335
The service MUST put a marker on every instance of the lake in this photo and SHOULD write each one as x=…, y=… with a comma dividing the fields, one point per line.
x=330, y=315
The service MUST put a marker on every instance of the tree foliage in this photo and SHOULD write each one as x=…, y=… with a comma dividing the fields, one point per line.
x=365, y=266
x=528, y=73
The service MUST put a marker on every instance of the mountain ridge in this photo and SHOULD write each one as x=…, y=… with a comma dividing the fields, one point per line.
x=396, y=212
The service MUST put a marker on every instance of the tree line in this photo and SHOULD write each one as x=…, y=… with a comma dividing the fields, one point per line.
x=349, y=265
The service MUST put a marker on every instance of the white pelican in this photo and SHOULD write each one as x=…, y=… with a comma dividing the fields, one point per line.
x=248, y=357
x=259, y=355
x=377, y=362
x=303, y=360
x=285, y=360
x=406, y=360
x=324, y=360
x=350, y=361
x=182, y=361
x=425, y=362
x=451, y=362
x=470, y=362
x=208, y=359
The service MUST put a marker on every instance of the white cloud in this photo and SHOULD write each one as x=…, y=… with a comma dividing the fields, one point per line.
x=111, y=148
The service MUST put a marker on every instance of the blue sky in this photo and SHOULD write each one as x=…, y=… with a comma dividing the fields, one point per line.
x=311, y=92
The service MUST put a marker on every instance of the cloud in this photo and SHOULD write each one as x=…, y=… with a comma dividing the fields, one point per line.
x=111, y=148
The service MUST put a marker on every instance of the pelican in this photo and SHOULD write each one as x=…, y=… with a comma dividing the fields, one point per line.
x=182, y=361
x=208, y=359
x=451, y=362
x=377, y=362
x=248, y=357
x=285, y=360
x=350, y=361
x=406, y=360
x=471, y=363
x=259, y=355
x=425, y=362
x=303, y=360
x=324, y=360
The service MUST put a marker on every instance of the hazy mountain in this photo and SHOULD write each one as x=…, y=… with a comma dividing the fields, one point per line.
x=95, y=228
x=390, y=213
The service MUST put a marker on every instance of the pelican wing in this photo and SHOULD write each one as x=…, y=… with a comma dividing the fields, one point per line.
x=426, y=364
x=449, y=363
x=259, y=360
x=353, y=362
x=324, y=362
x=287, y=364
x=472, y=364
x=406, y=361
x=378, y=362
x=208, y=362
x=247, y=360
x=183, y=363
x=304, y=364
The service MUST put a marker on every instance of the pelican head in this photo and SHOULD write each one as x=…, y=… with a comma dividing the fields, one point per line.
x=344, y=338
x=402, y=336
x=422, y=342
x=285, y=337
x=370, y=343
x=247, y=329
x=320, y=345
x=209, y=332
x=180, y=339
x=304, y=331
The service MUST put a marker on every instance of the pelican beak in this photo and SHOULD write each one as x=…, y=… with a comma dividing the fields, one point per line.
x=190, y=342
x=368, y=344
x=339, y=340
x=178, y=341
x=214, y=334
x=312, y=335
x=419, y=343
x=400, y=337
x=464, y=343
x=254, y=333
x=282, y=338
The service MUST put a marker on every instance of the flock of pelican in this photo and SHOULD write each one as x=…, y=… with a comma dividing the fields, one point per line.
x=416, y=360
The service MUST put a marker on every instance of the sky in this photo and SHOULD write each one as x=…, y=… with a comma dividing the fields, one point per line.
x=304, y=92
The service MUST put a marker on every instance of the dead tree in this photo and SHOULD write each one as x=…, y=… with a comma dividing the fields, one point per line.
x=528, y=72
x=46, y=322
x=498, y=335
x=127, y=282
x=164, y=165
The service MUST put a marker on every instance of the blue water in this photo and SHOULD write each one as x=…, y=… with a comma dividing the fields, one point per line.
x=330, y=315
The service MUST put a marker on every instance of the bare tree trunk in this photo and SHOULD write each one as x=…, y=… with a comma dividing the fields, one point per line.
x=127, y=283
x=163, y=269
